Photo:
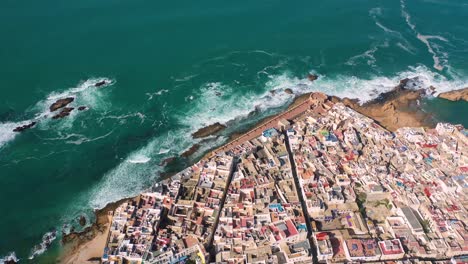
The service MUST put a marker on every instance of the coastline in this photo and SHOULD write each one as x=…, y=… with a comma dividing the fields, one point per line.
x=392, y=110
x=85, y=245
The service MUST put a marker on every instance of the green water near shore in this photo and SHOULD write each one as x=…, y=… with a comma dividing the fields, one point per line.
x=176, y=67
x=447, y=111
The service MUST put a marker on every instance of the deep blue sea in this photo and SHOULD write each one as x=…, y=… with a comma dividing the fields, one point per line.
x=176, y=66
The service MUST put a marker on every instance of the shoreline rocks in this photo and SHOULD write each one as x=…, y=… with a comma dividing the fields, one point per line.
x=61, y=103
x=456, y=95
x=75, y=239
x=209, y=130
x=167, y=161
x=394, y=109
x=82, y=220
x=312, y=77
x=288, y=91
x=24, y=127
x=190, y=151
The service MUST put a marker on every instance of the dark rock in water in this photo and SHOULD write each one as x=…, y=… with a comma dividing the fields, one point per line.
x=190, y=151
x=22, y=128
x=61, y=103
x=288, y=91
x=208, y=130
x=167, y=161
x=273, y=92
x=101, y=83
x=82, y=220
x=312, y=77
x=218, y=93
x=65, y=112
x=82, y=108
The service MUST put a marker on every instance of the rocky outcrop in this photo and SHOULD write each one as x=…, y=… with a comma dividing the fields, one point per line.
x=61, y=103
x=101, y=83
x=82, y=220
x=190, y=151
x=24, y=127
x=394, y=109
x=312, y=77
x=65, y=112
x=82, y=108
x=167, y=161
x=288, y=91
x=102, y=219
x=455, y=95
x=208, y=130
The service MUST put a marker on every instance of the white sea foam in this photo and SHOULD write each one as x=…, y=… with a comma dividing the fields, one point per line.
x=122, y=118
x=163, y=151
x=440, y=58
x=368, y=55
x=47, y=239
x=402, y=42
x=6, y=131
x=208, y=108
x=160, y=92
x=83, y=139
x=131, y=176
x=9, y=257
x=405, y=47
x=138, y=158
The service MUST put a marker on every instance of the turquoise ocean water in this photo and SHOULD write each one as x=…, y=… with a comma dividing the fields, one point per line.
x=176, y=67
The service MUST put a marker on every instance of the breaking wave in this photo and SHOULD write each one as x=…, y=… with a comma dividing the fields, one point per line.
x=9, y=257
x=210, y=105
x=139, y=169
x=6, y=131
x=47, y=240
x=138, y=158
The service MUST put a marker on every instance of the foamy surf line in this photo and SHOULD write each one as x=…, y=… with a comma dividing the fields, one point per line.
x=41, y=110
x=10, y=257
x=208, y=107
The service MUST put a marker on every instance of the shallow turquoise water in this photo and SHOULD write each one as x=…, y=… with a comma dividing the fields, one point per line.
x=178, y=67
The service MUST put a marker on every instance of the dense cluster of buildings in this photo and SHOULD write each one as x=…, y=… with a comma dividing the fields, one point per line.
x=174, y=221
x=329, y=185
x=262, y=220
